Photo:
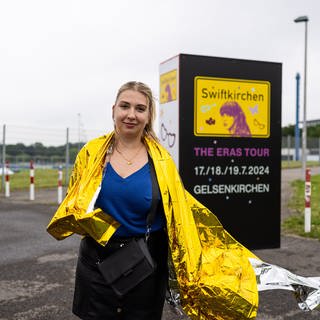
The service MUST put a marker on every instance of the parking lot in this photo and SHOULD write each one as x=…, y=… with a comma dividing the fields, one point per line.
x=37, y=272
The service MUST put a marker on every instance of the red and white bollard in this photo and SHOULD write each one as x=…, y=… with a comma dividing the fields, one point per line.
x=307, y=210
x=31, y=180
x=60, y=184
x=7, y=184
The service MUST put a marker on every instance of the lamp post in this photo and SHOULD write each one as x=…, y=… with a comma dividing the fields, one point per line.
x=296, y=129
x=304, y=19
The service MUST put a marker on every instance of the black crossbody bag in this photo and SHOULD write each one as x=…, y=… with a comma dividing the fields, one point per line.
x=132, y=263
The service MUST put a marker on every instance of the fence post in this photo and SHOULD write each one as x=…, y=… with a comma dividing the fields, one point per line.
x=60, y=185
x=31, y=180
x=7, y=185
x=67, y=157
x=319, y=148
x=3, y=154
x=307, y=210
x=288, y=148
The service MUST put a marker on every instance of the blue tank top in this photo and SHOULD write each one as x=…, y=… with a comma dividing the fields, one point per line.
x=128, y=200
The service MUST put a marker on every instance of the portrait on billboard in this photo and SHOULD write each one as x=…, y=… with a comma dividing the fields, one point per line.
x=231, y=107
x=168, y=86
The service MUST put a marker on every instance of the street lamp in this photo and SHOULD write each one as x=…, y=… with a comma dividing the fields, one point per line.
x=296, y=129
x=304, y=127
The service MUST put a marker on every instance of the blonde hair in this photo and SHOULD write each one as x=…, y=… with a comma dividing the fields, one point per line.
x=146, y=91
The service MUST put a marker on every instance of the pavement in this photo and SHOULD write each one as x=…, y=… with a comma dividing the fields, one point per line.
x=37, y=272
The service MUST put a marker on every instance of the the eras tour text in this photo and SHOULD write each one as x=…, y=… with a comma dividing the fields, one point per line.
x=231, y=152
x=228, y=166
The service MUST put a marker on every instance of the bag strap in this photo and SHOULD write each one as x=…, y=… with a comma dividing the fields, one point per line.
x=155, y=197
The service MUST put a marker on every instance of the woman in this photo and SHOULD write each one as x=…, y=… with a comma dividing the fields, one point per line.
x=108, y=199
x=234, y=119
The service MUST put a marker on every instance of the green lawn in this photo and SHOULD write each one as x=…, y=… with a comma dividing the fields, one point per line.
x=297, y=164
x=295, y=223
x=43, y=178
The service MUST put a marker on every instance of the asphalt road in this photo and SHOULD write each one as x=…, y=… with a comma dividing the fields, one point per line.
x=37, y=272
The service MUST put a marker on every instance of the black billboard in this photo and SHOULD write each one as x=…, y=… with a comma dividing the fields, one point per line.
x=230, y=143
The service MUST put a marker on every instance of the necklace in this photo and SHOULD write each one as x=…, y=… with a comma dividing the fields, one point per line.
x=128, y=161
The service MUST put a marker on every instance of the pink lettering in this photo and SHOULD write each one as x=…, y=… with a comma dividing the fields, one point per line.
x=257, y=152
x=229, y=152
x=203, y=152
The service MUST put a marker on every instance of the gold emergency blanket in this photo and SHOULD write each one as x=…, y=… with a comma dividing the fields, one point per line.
x=214, y=274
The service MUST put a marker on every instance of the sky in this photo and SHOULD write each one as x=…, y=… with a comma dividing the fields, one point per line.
x=62, y=61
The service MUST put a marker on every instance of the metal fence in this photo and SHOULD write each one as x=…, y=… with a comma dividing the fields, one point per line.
x=48, y=137
x=27, y=135
x=291, y=152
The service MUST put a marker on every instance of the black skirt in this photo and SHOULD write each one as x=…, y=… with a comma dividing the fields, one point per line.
x=95, y=300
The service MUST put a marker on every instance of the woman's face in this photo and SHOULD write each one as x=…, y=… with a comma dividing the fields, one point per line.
x=131, y=113
x=227, y=121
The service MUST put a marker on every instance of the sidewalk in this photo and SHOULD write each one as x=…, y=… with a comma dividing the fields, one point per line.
x=42, y=196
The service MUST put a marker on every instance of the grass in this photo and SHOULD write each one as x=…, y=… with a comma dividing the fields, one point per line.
x=43, y=178
x=295, y=223
x=297, y=164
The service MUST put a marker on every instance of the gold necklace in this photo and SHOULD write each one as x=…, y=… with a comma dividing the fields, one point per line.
x=128, y=161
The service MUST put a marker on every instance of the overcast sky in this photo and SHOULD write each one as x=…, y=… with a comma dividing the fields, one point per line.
x=62, y=58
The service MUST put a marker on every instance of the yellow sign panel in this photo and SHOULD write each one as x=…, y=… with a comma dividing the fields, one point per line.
x=168, y=86
x=231, y=107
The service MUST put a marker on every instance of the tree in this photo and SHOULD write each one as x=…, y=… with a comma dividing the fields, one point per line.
x=312, y=131
x=289, y=131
